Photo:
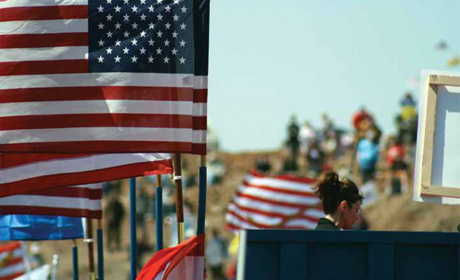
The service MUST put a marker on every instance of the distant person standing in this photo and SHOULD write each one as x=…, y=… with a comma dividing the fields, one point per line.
x=114, y=213
x=307, y=134
x=368, y=154
x=409, y=117
x=293, y=138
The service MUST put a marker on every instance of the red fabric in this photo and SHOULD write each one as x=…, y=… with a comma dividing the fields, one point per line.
x=394, y=153
x=167, y=259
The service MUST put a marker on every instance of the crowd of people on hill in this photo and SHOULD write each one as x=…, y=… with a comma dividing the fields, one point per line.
x=320, y=149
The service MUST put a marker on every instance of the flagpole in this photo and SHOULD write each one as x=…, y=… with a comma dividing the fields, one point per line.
x=202, y=197
x=132, y=220
x=159, y=213
x=75, y=259
x=89, y=240
x=100, y=251
x=179, y=199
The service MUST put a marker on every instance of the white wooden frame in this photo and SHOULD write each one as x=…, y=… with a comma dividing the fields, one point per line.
x=427, y=189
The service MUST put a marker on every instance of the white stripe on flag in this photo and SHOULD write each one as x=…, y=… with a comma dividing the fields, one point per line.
x=96, y=134
x=278, y=196
x=32, y=3
x=44, y=26
x=51, y=201
x=41, y=54
x=12, y=269
x=95, y=79
x=200, y=109
x=283, y=184
x=96, y=107
x=74, y=165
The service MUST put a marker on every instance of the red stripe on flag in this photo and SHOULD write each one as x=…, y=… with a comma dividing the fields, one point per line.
x=44, y=13
x=12, y=276
x=87, y=177
x=44, y=67
x=200, y=123
x=12, y=160
x=44, y=40
x=200, y=96
x=10, y=246
x=93, y=194
x=96, y=93
x=100, y=147
x=15, y=261
x=259, y=225
x=71, y=212
x=277, y=215
x=95, y=120
x=288, y=204
x=199, y=149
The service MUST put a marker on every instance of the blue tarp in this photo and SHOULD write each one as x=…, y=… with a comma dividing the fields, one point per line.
x=37, y=227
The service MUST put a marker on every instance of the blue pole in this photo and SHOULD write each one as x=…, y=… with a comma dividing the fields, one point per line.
x=100, y=253
x=75, y=260
x=132, y=214
x=202, y=198
x=159, y=213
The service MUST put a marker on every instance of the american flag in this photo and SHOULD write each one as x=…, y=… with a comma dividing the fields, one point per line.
x=102, y=76
x=72, y=201
x=274, y=202
x=23, y=173
x=184, y=261
x=12, y=264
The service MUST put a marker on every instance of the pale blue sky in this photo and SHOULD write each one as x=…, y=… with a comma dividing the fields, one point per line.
x=270, y=59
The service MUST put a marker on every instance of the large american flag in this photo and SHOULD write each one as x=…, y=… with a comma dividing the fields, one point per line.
x=83, y=76
x=274, y=202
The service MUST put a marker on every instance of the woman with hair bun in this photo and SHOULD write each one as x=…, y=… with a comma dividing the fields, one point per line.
x=341, y=201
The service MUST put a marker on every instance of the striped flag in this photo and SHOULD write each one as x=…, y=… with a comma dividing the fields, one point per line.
x=182, y=262
x=23, y=173
x=97, y=76
x=11, y=260
x=274, y=202
x=73, y=201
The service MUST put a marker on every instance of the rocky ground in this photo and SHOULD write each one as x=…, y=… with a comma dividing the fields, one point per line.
x=390, y=213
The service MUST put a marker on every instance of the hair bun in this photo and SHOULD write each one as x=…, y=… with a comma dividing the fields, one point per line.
x=327, y=184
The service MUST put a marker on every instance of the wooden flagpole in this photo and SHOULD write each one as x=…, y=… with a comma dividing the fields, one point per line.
x=179, y=199
x=100, y=251
x=202, y=197
x=159, y=213
x=89, y=240
x=132, y=215
x=75, y=259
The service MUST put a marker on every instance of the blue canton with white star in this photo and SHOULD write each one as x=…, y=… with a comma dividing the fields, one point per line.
x=143, y=36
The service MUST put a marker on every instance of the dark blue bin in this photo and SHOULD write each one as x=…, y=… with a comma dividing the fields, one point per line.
x=302, y=254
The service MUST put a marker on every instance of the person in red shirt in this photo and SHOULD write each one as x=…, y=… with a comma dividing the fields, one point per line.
x=397, y=165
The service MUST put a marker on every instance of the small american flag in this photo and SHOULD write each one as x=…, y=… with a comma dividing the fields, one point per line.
x=12, y=263
x=24, y=173
x=102, y=76
x=72, y=201
x=274, y=202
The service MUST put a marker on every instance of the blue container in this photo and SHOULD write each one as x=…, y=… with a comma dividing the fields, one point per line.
x=302, y=254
